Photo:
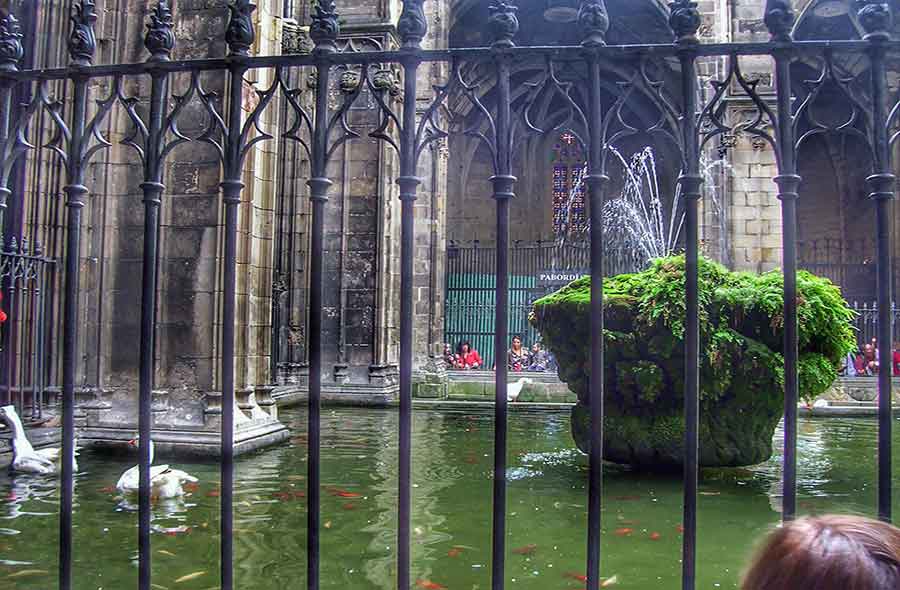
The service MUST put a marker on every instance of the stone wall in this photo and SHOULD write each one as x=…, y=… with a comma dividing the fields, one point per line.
x=190, y=231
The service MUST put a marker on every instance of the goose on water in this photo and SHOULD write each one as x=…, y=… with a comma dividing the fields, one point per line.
x=164, y=482
x=25, y=458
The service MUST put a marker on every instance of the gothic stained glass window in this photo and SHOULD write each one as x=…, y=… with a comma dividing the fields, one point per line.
x=560, y=196
x=569, y=201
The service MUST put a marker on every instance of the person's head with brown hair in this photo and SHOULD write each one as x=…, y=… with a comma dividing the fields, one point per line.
x=828, y=553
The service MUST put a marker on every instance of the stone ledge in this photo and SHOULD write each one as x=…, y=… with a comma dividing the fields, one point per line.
x=348, y=394
x=190, y=443
x=863, y=389
x=548, y=377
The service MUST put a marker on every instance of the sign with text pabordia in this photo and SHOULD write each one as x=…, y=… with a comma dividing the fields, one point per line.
x=559, y=278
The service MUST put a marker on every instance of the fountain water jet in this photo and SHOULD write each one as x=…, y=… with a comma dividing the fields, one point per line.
x=638, y=226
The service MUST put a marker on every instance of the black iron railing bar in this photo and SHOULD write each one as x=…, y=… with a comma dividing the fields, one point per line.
x=503, y=183
x=788, y=183
x=881, y=184
x=562, y=53
x=691, y=181
x=597, y=181
x=160, y=42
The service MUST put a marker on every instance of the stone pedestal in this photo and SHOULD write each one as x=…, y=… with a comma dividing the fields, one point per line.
x=265, y=401
x=431, y=381
x=186, y=425
x=384, y=375
x=342, y=373
x=184, y=442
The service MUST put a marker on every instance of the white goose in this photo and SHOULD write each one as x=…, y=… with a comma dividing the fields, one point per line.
x=164, y=482
x=25, y=458
x=514, y=390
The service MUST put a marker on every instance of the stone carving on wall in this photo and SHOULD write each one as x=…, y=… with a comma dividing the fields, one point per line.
x=295, y=39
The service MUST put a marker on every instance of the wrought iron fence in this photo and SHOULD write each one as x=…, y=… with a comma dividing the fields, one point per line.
x=599, y=124
x=26, y=277
x=866, y=323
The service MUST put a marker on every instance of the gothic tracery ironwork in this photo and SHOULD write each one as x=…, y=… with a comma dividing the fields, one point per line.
x=481, y=79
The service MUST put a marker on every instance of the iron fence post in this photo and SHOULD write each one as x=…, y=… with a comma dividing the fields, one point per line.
x=685, y=21
x=594, y=21
x=504, y=25
x=324, y=31
x=240, y=36
x=876, y=19
x=779, y=19
x=597, y=180
x=75, y=195
x=412, y=27
x=159, y=41
x=82, y=46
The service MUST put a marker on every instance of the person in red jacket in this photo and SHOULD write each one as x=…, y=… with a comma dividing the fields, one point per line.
x=896, y=359
x=468, y=357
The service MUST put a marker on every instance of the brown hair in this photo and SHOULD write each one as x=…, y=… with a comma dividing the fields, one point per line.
x=828, y=553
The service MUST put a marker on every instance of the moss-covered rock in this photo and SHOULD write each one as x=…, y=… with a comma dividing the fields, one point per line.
x=741, y=364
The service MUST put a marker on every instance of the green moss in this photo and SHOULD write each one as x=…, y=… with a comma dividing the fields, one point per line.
x=641, y=382
x=816, y=374
x=741, y=364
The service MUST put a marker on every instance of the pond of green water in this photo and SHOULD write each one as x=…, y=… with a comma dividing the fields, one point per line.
x=451, y=547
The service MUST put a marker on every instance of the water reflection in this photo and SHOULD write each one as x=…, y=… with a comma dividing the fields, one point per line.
x=451, y=525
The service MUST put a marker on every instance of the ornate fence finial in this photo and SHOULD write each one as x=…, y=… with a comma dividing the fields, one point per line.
x=160, y=40
x=779, y=19
x=240, y=34
x=11, y=52
x=684, y=18
x=594, y=21
x=876, y=19
x=412, y=24
x=82, y=39
x=325, y=28
x=503, y=23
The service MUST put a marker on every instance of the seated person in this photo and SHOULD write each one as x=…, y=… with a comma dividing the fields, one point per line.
x=869, y=360
x=468, y=357
x=849, y=367
x=540, y=359
x=451, y=360
x=517, y=357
